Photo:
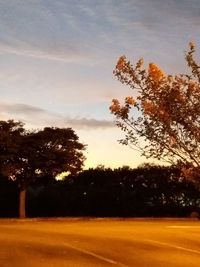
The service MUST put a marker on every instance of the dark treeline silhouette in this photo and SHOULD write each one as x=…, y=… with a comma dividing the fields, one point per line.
x=147, y=191
x=28, y=155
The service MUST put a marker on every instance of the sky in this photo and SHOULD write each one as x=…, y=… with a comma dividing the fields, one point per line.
x=57, y=60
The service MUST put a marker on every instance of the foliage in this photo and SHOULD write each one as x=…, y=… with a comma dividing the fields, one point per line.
x=145, y=191
x=8, y=198
x=11, y=136
x=28, y=155
x=56, y=150
x=163, y=120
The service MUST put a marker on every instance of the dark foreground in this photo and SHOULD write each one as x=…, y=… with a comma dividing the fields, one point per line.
x=99, y=242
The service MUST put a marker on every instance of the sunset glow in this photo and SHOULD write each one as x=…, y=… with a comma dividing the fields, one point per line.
x=57, y=59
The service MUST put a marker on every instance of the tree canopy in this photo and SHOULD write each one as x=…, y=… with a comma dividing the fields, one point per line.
x=163, y=120
x=26, y=155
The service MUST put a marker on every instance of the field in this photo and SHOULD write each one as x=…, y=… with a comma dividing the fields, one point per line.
x=99, y=242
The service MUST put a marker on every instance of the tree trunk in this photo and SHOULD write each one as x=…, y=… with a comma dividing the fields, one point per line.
x=22, y=203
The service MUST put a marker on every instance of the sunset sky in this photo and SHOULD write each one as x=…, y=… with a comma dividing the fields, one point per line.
x=57, y=58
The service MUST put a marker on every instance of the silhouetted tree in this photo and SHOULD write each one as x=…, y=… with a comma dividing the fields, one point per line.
x=27, y=155
x=8, y=198
x=145, y=191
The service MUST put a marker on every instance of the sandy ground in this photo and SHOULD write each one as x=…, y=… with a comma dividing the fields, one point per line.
x=99, y=242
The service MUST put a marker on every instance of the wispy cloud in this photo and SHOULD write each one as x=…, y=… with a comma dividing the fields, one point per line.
x=20, y=109
x=89, y=123
x=67, y=53
x=40, y=29
x=38, y=117
x=78, y=31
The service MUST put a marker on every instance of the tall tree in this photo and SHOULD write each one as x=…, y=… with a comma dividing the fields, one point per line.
x=163, y=119
x=27, y=155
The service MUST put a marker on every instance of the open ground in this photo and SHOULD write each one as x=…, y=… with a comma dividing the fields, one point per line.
x=99, y=242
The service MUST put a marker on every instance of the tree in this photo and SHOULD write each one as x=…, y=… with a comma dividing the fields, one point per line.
x=27, y=155
x=163, y=120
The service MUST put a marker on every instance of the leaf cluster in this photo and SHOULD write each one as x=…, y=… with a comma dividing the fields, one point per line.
x=27, y=155
x=164, y=120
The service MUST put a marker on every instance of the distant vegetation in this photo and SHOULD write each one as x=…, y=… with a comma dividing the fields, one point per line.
x=147, y=191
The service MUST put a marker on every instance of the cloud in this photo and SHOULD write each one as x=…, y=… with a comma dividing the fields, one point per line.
x=68, y=53
x=41, y=29
x=89, y=123
x=38, y=117
x=80, y=31
x=20, y=109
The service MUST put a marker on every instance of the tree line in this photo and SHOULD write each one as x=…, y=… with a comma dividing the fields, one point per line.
x=146, y=191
